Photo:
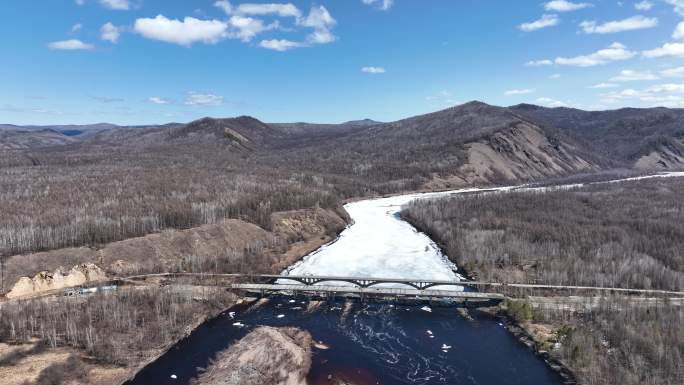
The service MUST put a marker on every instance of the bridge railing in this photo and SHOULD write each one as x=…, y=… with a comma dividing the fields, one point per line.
x=364, y=282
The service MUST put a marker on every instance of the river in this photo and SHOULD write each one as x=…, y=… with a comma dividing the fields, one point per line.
x=376, y=343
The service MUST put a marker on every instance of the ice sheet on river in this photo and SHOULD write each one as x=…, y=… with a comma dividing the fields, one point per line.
x=380, y=245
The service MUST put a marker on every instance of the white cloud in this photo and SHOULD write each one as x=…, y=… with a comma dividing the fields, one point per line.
x=70, y=45
x=555, y=76
x=678, y=6
x=321, y=21
x=668, y=95
x=443, y=98
x=241, y=26
x=321, y=36
x=159, y=100
x=282, y=10
x=539, y=63
x=185, y=33
x=278, y=9
x=603, y=85
x=679, y=31
x=280, y=45
x=200, y=99
x=643, y=5
x=319, y=17
x=677, y=72
x=614, y=52
x=382, y=4
x=544, y=22
x=225, y=6
x=80, y=2
x=110, y=32
x=565, y=6
x=632, y=75
x=246, y=28
x=548, y=102
x=119, y=5
x=76, y=27
x=629, y=24
x=524, y=91
x=667, y=50
x=373, y=70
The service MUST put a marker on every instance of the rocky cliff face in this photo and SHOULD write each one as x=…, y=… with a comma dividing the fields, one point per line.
x=521, y=152
x=59, y=279
x=664, y=157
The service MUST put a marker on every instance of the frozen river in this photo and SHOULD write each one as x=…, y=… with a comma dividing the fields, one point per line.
x=380, y=244
x=375, y=343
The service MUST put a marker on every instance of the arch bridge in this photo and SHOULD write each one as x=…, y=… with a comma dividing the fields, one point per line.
x=418, y=284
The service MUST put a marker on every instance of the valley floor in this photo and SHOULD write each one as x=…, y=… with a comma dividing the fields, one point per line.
x=159, y=316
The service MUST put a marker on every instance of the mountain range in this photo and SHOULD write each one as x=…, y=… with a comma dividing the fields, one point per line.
x=463, y=144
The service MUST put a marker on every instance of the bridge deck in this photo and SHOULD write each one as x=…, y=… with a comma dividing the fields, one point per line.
x=369, y=291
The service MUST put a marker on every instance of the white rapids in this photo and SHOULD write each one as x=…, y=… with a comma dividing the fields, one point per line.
x=379, y=244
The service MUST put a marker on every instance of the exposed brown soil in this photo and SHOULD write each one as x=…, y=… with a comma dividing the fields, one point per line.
x=523, y=152
x=234, y=242
x=59, y=279
x=662, y=158
x=266, y=356
x=27, y=363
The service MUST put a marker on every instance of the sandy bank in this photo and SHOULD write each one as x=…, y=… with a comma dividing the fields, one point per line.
x=266, y=356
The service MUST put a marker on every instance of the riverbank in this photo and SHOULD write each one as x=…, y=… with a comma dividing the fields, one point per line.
x=297, y=232
x=266, y=355
x=536, y=337
x=365, y=343
x=596, y=235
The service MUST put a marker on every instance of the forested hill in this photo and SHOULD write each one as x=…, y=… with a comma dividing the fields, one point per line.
x=644, y=138
x=111, y=183
x=466, y=143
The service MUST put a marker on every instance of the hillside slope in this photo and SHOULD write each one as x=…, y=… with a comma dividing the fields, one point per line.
x=243, y=131
x=470, y=143
x=643, y=138
x=19, y=139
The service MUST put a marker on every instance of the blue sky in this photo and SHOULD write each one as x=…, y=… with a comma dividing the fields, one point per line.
x=156, y=61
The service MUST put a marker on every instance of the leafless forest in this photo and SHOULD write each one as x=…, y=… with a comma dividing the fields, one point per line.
x=123, y=183
x=614, y=235
x=91, y=195
x=620, y=343
x=75, y=199
x=125, y=328
x=128, y=182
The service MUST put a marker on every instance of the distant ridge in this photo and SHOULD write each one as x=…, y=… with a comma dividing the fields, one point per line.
x=472, y=142
x=362, y=122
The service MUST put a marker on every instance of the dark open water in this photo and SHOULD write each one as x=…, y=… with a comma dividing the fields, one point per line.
x=375, y=344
